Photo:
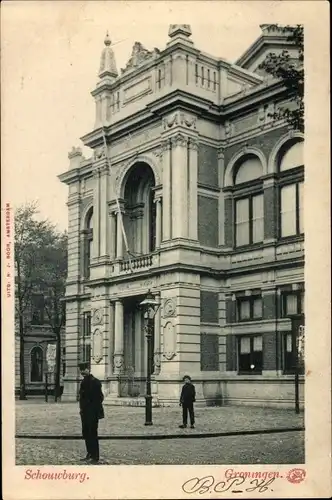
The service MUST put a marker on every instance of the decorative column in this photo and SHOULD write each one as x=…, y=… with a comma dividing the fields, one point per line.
x=179, y=186
x=192, y=189
x=167, y=191
x=112, y=234
x=96, y=214
x=157, y=340
x=119, y=236
x=158, y=221
x=103, y=227
x=118, y=337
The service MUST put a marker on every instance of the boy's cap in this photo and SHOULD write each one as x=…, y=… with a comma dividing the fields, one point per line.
x=186, y=376
x=83, y=366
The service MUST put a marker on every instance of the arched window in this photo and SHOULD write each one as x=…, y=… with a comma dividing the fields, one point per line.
x=248, y=170
x=140, y=209
x=249, y=208
x=36, y=364
x=291, y=157
x=88, y=239
x=290, y=162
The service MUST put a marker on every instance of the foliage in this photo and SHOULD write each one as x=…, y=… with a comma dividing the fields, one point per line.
x=291, y=71
x=40, y=266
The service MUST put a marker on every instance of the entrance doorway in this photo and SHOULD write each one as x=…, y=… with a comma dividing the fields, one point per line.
x=133, y=376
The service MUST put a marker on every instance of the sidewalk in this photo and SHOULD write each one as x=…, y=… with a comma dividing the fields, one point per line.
x=62, y=421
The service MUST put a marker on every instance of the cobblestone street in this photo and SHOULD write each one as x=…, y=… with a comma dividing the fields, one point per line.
x=63, y=419
x=280, y=448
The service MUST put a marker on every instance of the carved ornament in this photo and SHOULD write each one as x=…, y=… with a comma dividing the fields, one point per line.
x=139, y=56
x=179, y=140
x=97, y=346
x=118, y=360
x=169, y=308
x=97, y=318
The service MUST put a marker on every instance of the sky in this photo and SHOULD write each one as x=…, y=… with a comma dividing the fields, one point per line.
x=50, y=59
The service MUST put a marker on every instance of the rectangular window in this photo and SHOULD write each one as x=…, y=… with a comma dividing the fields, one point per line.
x=196, y=74
x=249, y=308
x=209, y=352
x=214, y=80
x=242, y=222
x=202, y=73
x=208, y=78
x=249, y=220
x=250, y=354
x=291, y=210
x=292, y=303
x=118, y=101
x=86, y=337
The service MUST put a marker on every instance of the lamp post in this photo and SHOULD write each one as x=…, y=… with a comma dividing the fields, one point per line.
x=150, y=307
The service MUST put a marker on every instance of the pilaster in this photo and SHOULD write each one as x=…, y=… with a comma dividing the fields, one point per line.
x=180, y=186
x=118, y=338
x=167, y=191
x=192, y=178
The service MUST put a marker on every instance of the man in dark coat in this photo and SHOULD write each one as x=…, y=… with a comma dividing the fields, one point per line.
x=187, y=399
x=91, y=411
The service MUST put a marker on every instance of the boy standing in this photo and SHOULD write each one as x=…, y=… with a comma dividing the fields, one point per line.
x=187, y=399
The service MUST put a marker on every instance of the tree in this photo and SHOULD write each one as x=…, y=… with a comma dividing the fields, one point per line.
x=37, y=268
x=53, y=283
x=291, y=71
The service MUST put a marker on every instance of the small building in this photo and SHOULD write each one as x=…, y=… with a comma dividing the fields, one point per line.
x=187, y=157
x=38, y=335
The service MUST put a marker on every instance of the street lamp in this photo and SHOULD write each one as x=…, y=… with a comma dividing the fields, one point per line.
x=150, y=307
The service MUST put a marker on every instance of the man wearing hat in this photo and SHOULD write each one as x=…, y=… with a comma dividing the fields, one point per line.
x=187, y=399
x=91, y=411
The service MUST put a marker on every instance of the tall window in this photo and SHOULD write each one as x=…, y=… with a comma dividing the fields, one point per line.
x=249, y=220
x=37, y=309
x=208, y=78
x=88, y=239
x=86, y=337
x=250, y=354
x=291, y=210
x=249, y=308
x=196, y=73
x=202, y=75
x=249, y=209
x=36, y=364
x=291, y=193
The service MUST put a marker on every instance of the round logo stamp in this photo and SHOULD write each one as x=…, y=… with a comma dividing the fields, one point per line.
x=296, y=476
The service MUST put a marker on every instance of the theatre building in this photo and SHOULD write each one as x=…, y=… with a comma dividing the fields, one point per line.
x=209, y=188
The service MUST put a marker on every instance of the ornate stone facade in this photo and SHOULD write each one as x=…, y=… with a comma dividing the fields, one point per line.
x=186, y=201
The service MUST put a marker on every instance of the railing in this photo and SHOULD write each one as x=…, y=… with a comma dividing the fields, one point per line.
x=141, y=262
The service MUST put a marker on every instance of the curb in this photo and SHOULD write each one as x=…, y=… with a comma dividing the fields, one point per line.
x=165, y=436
